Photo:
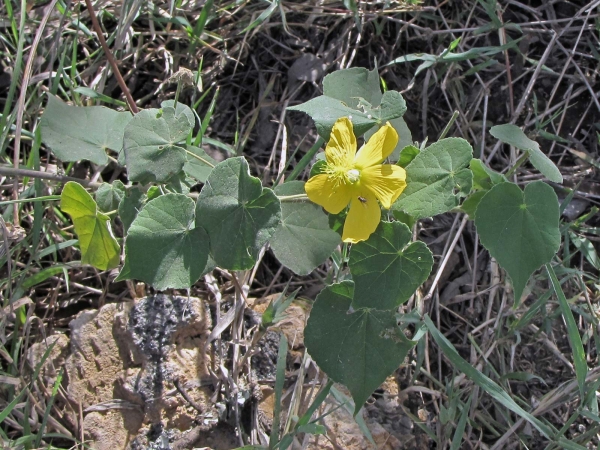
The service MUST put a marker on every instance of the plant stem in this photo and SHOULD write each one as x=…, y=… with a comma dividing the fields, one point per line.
x=111, y=60
x=31, y=200
x=177, y=92
x=518, y=164
x=448, y=125
x=12, y=172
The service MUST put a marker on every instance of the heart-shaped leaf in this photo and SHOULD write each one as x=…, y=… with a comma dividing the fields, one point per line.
x=99, y=247
x=387, y=268
x=238, y=214
x=349, y=85
x=108, y=196
x=326, y=110
x=436, y=179
x=358, y=349
x=303, y=240
x=82, y=133
x=513, y=135
x=164, y=247
x=153, y=146
x=358, y=85
x=520, y=229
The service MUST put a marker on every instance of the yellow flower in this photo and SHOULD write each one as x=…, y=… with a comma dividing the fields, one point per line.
x=358, y=178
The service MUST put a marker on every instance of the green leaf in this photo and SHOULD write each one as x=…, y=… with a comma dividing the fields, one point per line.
x=483, y=176
x=82, y=133
x=520, y=229
x=326, y=110
x=238, y=214
x=484, y=179
x=180, y=109
x=164, y=247
x=392, y=106
x=471, y=203
x=108, y=196
x=153, y=148
x=437, y=178
x=404, y=218
x=303, y=239
x=130, y=206
x=319, y=167
x=197, y=168
x=513, y=135
x=99, y=247
x=349, y=85
x=407, y=154
x=404, y=138
x=356, y=84
x=387, y=268
x=358, y=349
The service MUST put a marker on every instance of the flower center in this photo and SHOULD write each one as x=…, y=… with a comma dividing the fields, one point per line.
x=353, y=175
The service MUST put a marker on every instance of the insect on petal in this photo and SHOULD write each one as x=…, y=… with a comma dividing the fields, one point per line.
x=363, y=217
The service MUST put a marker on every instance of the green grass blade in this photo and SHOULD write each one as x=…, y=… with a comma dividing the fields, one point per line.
x=57, y=383
x=347, y=403
x=43, y=275
x=460, y=427
x=315, y=404
x=481, y=380
x=6, y=411
x=199, y=27
x=263, y=16
x=38, y=208
x=579, y=361
x=206, y=120
x=16, y=77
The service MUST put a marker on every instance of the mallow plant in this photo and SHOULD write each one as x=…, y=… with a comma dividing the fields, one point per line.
x=365, y=193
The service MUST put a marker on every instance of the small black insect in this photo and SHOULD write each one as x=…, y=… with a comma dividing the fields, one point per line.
x=362, y=200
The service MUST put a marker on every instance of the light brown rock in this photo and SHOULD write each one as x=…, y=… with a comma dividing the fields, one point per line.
x=54, y=361
x=112, y=430
x=126, y=361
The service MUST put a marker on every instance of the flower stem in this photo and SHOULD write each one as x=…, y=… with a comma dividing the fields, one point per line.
x=518, y=164
x=448, y=125
x=293, y=198
x=199, y=158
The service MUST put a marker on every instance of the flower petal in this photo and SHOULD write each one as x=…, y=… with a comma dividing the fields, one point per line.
x=363, y=217
x=380, y=146
x=325, y=191
x=341, y=147
x=386, y=181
